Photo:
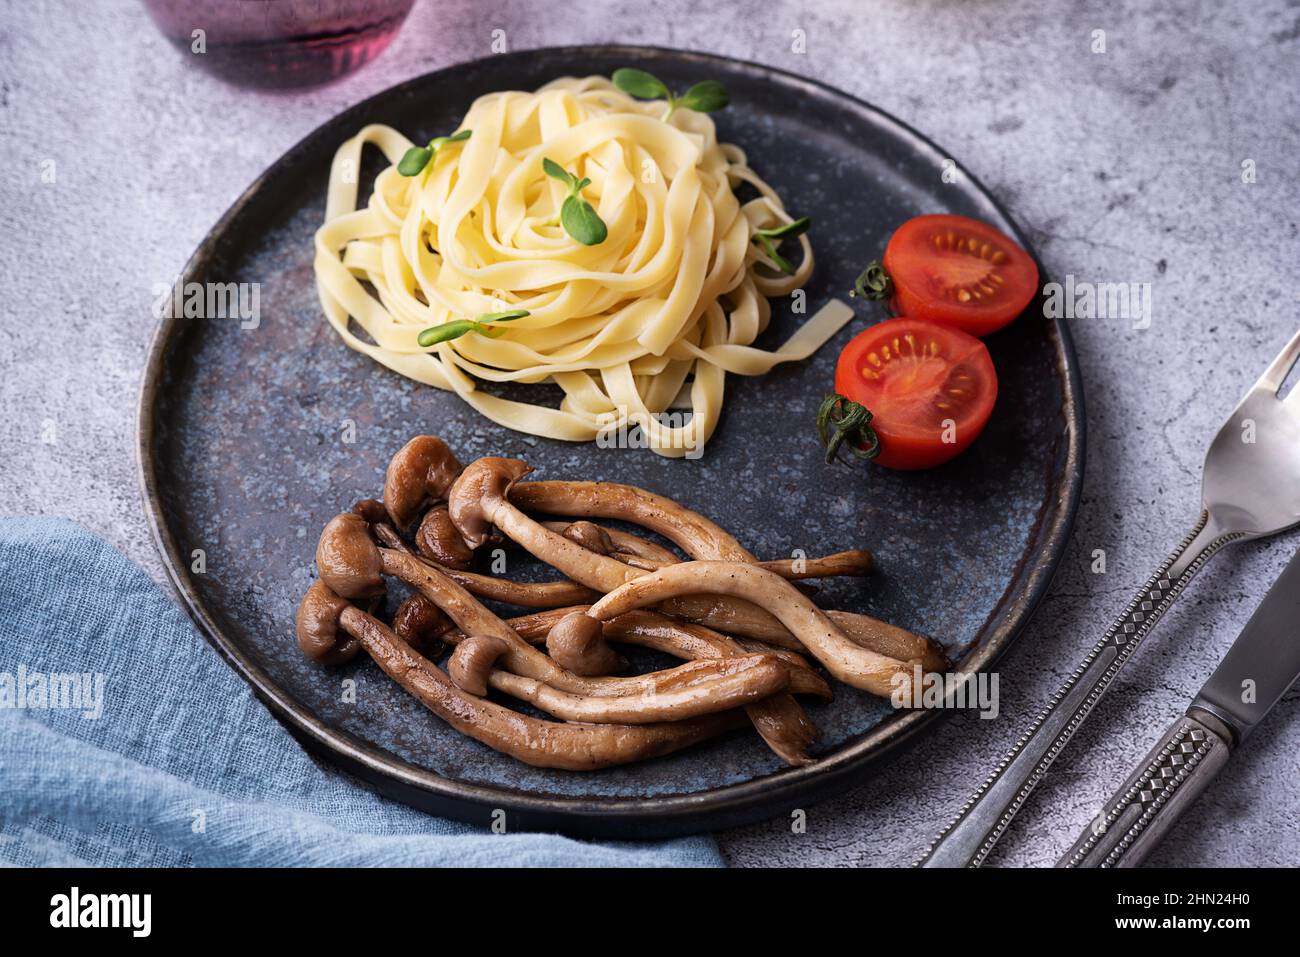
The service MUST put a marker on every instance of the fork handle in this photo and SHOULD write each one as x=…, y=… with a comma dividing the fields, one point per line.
x=1149, y=803
x=966, y=841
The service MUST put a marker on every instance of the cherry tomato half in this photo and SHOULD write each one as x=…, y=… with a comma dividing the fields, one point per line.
x=959, y=271
x=930, y=389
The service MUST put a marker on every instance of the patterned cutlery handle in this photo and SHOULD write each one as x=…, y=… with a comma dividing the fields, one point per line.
x=966, y=842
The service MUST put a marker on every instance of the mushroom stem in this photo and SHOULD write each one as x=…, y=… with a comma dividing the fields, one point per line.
x=779, y=719
x=701, y=687
x=520, y=657
x=749, y=620
x=524, y=594
x=851, y=663
x=636, y=551
x=545, y=744
x=690, y=531
x=624, y=545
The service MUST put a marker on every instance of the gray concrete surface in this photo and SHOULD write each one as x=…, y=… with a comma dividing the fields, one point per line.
x=1123, y=165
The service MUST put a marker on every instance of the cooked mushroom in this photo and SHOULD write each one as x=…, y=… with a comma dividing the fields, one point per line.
x=419, y=623
x=779, y=719
x=421, y=472
x=376, y=516
x=520, y=657
x=699, y=688
x=438, y=540
x=578, y=643
x=471, y=663
x=478, y=501
x=348, y=559
x=690, y=531
x=524, y=594
x=749, y=620
x=588, y=535
x=639, y=553
x=317, y=627
x=548, y=744
x=851, y=663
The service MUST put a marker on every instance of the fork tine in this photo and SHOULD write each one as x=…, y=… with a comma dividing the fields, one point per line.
x=1277, y=370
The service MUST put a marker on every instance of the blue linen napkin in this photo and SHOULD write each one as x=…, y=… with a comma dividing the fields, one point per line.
x=159, y=754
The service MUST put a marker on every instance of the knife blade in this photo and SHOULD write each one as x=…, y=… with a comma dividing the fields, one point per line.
x=1262, y=664
x=1260, y=667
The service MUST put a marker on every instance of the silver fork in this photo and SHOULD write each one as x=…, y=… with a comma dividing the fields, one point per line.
x=1250, y=488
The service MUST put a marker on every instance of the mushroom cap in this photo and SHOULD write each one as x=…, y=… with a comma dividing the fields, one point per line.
x=474, y=497
x=472, y=661
x=577, y=643
x=419, y=622
x=347, y=558
x=437, y=538
x=421, y=472
x=317, y=627
x=590, y=536
x=371, y=509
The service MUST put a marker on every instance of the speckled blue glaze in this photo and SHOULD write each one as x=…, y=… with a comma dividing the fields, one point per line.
x=248, y=459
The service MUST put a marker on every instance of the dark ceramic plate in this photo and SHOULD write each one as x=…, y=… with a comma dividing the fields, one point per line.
x=245, y=453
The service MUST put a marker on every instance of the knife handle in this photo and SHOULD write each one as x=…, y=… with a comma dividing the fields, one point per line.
x=985, y=817
x=1149, y=803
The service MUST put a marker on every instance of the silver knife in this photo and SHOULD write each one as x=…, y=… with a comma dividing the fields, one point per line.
x=1259, y=668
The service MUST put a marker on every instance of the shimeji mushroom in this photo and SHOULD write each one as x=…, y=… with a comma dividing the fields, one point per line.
x=578, y=643
x=478, y=503
x=486, y=494
x=348, y=536
x=688, y=530
x=419, y=474
x=700, y=687
x=317, y=627
x=419, y=622
x=779, y=719
x=547, y=744
x=639, y=553
x=849, y=662
x=438, y=540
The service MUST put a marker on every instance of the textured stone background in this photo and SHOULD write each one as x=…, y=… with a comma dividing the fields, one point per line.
x=1123, y=166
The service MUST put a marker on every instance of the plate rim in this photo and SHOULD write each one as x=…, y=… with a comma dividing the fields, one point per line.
x=598, y=816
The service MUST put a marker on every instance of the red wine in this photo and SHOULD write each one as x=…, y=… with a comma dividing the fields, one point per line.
x=280, y=43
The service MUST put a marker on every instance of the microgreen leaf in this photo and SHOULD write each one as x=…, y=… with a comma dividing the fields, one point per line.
x=581, y=221
x=507, y=316
x=448, y=330
x=414, y=160
x=556, y=171
x=786, y=230
x=458, y=327
x=578, y=217
x=707, y=96
x=704, y=97
x=639, y=83
x=778, y=260
x=417, y=158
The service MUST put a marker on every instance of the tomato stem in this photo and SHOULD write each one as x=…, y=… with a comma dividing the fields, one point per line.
x=840, y=421
x=873, y=283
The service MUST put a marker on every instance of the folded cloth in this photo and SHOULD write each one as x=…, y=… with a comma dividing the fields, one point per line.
x=156, y=753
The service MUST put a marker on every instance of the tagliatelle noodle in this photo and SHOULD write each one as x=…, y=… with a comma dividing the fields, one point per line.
x=649, y=320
